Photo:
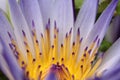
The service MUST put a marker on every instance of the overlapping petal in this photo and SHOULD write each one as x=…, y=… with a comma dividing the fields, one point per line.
x=113, y=32
x=3, y=65
x=20, y=26
x=86, y=17
x=60, y=13
x=110, y=58
x=101, y=25
x=29, y=15
x=112, y=74
x=103, y=22
x=9, y=62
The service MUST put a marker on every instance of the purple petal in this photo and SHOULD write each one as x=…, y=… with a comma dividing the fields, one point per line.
x=111, y=57
x=60, y=12
x=86, y=17
x=46, y=9
x=20, y=25
x=101, y=25
x=4, y=68
x=103, y=22
x=114, y=31
x=112, y=74
x=8, y=60
x=33, y=16
x=5, y=28
x=11, y=62
x=3, y=64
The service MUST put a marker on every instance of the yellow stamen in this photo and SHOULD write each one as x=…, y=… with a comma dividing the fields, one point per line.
x=62, y=60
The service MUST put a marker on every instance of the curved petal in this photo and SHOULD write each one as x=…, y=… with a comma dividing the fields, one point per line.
x=20, y=25
x=103, y=22
x=100, y=26
x=112, y=74
x=32, y=13
x=5, y=28
x=3, y=65
x=86, y=17
x=11, y=62
x=63, y=15
x=7, y=60
x=110, y=58
x=113, y=32
x=60, y=13
x=46, y=9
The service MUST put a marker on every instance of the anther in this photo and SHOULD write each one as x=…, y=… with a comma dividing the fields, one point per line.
x=84, y=55
x=23, y=33
x=11, y=47
x=40, y=53
x=27, y=73
x=58, y=63
x=89, y=51
x=70, y=31
x=36, y=41
x=66, y=35
x=9, y=35
x=73, y=53
x=39, y=66
x=81, y=39
x=86, y=48
x=34, y=60
x=49, y=21
x=62, y=59
x=98, y=42
x=73, y=43
x=41, y=35
x=33, y=24
x=73, y=77
x=52, y=46
x=91, y=62
x=23, y=62
x=55, y=24
x=27, y=51
x=82, y=60
x=78, y=31
x=96, y=38
x=53, y=58
x=61, y=45
x=81, y=66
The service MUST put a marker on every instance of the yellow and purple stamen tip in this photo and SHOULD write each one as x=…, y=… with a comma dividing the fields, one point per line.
x=63, y=60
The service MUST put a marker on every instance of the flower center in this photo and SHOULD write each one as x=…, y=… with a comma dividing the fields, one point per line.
x=61, y=59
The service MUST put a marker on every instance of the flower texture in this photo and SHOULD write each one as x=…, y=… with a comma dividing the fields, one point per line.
x=39, y=40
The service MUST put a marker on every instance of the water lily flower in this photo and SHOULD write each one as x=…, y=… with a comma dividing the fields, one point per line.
x=40, y=41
